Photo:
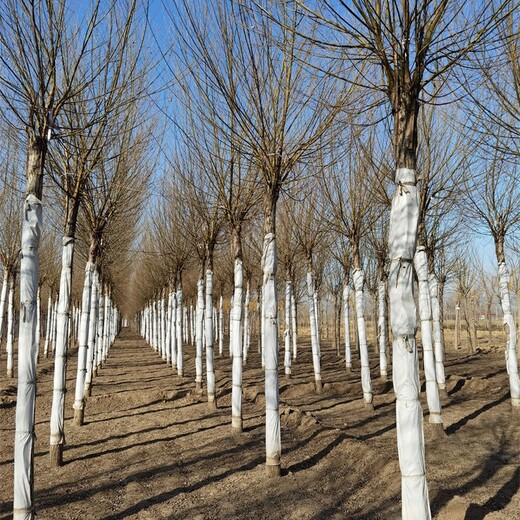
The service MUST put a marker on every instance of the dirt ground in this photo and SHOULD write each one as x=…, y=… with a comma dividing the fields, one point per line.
x=151, y=447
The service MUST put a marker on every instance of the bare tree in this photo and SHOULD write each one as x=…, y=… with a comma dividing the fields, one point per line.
x=411, y=46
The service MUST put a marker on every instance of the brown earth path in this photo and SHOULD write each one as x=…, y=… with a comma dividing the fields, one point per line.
x=152, y=449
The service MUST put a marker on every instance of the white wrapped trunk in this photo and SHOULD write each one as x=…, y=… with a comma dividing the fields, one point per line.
x=38, y=326
x=175, y=308
x=366, y=382
x=199, y=333
x=57, y=434
x=163, y=330
x=10, y=331
x=287, y=332
x=346, y=318
x=3, y=298
x=425, y=313
x=410, y=439
x=54, y=325
x=245, y=344
x=273, y=442
x=26, y=396
x=208, y=318
x=231, y=306
x=236, y=343
x=438, y=347
x=294, y=328
x=48, y=328
x=101, y=321
x=79, y=395
x=509, y=322
x=221, y=326
x=178, y=332
x=92, y=329
x=169, y=319
x=381, y=318
x=313, y=320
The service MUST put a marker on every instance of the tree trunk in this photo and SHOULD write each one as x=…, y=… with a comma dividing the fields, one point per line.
x=48, y=327
x=381, y=316
x=457, y=325
x=410, y=439
x=208, y=315
x=221, y=326
x=425, y=313
x=10, y=328
x=199, y=330
x=179, y=329
x=27, y=341
x=313, y=320
x=294, y=324
x=366, y=383
x=3, y=298
x=245, y=345
x=79, y=395
x=287, y=332
x=57, y=435
x=509, y=322
x=437, y=334
x=273, y=442
x=92, y=330
x=346, y=318
x=236, y=343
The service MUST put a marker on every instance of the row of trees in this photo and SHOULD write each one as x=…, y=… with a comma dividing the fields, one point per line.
x=318, y=114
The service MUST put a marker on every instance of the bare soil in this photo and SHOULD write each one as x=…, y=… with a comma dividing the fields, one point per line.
x=152, y=448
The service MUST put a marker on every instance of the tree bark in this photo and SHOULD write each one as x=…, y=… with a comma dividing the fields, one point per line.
x=3, y=298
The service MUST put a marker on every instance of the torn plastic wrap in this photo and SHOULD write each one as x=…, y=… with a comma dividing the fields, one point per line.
x=410, y=440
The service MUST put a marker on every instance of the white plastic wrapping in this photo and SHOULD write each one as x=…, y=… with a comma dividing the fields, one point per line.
x=179, y=332
x=245, y=343
x=236, y=345
x=273, y=442
x=3, y=298
x=169, y=320
x=313, y=320
x=410, y=440
x=92, y=329
x=57, y=434
x=10, y=330
x=509, y=322
x=346, y=318
x=221, y=326
x=287, y=332
x=208, y=318
x=366, y=382
x=294, y=325
x=438, y=347
x=381, y=325
x=48, y=328
x=432, y=391
x=199, y=332
x=173, y=346
x=79, y=393
x=26, y=396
